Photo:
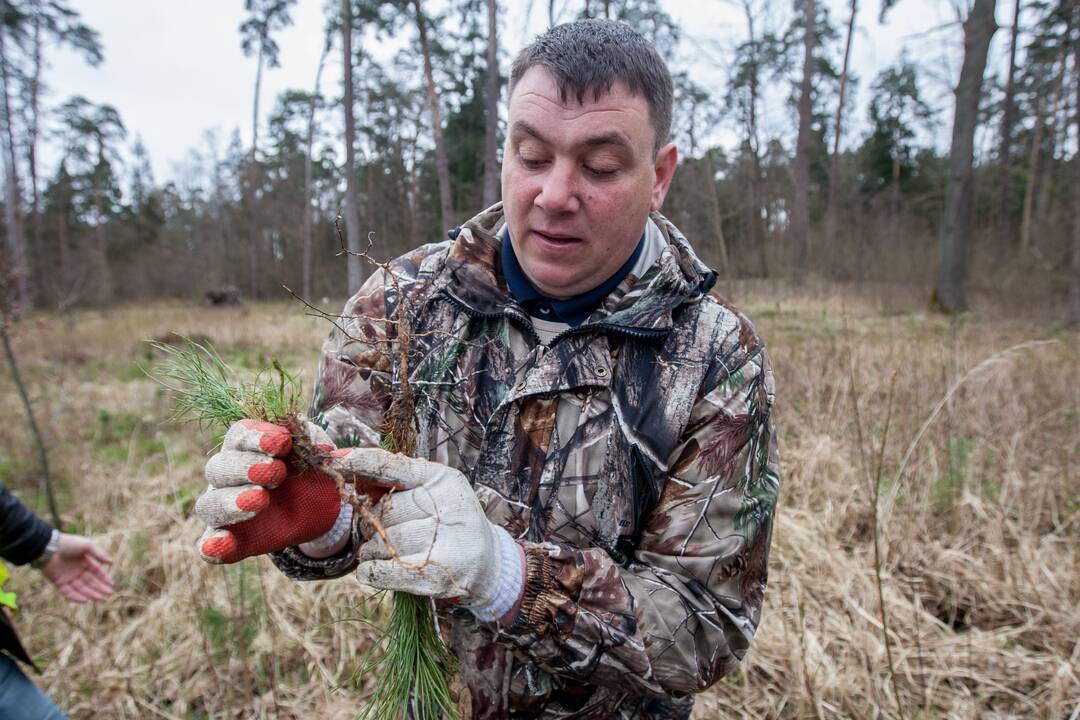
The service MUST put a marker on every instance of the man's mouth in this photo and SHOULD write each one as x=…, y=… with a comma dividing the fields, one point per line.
x=557, y=238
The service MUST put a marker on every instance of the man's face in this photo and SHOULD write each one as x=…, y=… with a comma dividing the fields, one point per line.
x=578, y=182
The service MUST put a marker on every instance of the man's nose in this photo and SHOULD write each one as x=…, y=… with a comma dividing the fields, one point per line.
x=558, y=193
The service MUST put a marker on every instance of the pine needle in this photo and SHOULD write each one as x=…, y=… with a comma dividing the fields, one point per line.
x=412, y=667
x=210, y=392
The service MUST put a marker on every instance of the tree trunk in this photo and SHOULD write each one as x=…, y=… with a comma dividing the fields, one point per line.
x=1056, y=133
x=65, y=279
x=309, y=212
x=43, y=457
x=101, y=243
x=715, y=216
x=353, y=264
x=1032, y=175
x=414, y=185
x=16, y=244
x=13, y=218
x=491, y=111
x=757, y=232
x=221, y=226
x=442, y=165
x=1046, y=108
x=24, y=397
x=800, y=205
x=1073, y=312
x=253, y=178
x=838, y=126
x=101, y=256
x=1008, y=118
x=38, y=221
x=894, y=194
x=222, y=231
x=978, y=30
x=753, y=145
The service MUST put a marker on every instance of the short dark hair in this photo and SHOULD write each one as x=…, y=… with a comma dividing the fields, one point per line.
x=591, y=56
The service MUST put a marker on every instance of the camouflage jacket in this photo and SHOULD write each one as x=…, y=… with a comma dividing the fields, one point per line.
x=633, y=458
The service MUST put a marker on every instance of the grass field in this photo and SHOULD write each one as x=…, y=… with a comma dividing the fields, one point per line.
x=977, y=523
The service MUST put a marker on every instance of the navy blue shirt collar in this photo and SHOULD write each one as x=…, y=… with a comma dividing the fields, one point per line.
x=573, y=311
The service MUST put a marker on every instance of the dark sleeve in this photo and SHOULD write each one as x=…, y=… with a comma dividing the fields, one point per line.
x=23, y=535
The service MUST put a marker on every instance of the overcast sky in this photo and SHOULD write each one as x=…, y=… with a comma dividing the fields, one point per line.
x=175, y=69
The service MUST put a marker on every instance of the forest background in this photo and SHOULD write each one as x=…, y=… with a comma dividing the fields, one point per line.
x=796, y=161
x=904, y=230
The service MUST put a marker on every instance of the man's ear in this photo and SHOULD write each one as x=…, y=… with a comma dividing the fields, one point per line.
x=666, y=162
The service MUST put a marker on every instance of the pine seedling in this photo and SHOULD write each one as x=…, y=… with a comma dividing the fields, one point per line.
x=210, y=392
x=206, y=390
x=410, y=660
x=412, y=665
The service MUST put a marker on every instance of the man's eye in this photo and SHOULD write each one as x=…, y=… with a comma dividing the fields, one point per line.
x=531, y=163
x=599, y=172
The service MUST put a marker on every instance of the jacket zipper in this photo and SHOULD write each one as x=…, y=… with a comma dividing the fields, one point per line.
x=613, y=329
x=473, y=312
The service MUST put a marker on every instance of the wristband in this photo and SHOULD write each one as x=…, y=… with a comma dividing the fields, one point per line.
x=509, y=578
x=50, y=550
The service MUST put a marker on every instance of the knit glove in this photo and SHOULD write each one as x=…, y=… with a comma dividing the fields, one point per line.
x=445, y=546
x=257, y=502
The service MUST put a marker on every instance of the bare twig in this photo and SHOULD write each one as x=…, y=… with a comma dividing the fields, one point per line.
x=425, y=657
x=875, y=495
x=39, y=441
x=877, y=546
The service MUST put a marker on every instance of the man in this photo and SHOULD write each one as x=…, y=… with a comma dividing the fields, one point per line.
x=73, y=564
x=600, y=472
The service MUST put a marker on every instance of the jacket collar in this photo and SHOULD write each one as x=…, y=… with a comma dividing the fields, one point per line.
x=472, y=277
x=573, y=311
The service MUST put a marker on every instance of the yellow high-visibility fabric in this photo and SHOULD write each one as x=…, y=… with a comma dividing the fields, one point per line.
x=7, y=599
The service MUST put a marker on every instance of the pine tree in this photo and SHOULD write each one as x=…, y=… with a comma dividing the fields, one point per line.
x=256, y=38
x=91, y=133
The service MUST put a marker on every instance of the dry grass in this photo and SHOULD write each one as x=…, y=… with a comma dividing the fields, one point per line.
x=979, y=536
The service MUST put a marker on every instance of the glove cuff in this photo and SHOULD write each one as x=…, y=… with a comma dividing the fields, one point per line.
x=509, y=577
x=341, y=527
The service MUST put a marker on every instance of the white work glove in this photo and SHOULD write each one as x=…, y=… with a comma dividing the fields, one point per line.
x=444, y=544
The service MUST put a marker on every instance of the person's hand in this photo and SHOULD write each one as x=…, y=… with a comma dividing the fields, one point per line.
x=435, y=539
x=77, y=569
x=256, y=503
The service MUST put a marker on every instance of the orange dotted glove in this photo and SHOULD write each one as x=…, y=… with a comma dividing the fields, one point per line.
x=257, y=502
